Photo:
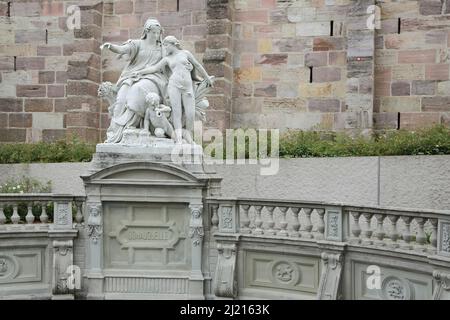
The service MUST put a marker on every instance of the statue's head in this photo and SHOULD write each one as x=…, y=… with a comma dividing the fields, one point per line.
x=153, y=99
x=171, y=43
x=152, y=28
x=106, y=89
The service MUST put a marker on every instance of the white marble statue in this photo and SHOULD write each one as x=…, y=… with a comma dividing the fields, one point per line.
x=158, y=91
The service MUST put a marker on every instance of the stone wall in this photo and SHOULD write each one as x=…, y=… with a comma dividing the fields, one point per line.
x=412, y=87
x=289, y=63
x=301, y=64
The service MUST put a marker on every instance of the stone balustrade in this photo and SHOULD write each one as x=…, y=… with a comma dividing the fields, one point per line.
x=39, y=211
x=416, y=231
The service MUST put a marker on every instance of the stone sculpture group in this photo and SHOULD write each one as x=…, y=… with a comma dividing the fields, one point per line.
x=159, y=94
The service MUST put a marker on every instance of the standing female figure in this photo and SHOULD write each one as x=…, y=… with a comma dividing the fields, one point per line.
x=181, y=87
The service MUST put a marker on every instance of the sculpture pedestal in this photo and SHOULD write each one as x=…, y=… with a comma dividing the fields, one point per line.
x=146, y=223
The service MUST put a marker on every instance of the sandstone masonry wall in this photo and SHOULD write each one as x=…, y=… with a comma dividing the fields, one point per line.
x=288, y=64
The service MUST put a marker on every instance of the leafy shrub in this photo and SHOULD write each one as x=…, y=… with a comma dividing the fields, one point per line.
x=432, y=141
x=60, y=151
x=25, y=185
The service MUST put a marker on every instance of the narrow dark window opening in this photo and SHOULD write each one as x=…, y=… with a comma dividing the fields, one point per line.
x=310, y=74
x=331, y=28
x=46, y=36
x=178, y=5
x=399, y=25
x=398, y=121
x=8, y=10
x=15, y=63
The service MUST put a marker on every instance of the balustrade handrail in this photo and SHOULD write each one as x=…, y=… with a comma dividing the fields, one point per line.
x=39, y=203
x=426, y=213
x=418, y=230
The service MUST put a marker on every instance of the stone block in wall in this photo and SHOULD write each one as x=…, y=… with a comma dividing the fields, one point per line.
x=13, y=135
x=401, y=88
x=30, y=63
x=417, y=56
x=50, y=135
x=20, y=120
x=400, y=104
x=11, y=105
x=48, y=120
x=46, y=77
x=436, y=104
x=423, y=88
x=437, y=71
x=385, y=120
x=31, y=90
x=316, y=59
x=419, y=120
x=312, y=29
x=324, y=105
x=430, y=7
x=56, y=91
x=326, y=74
x=408, y=72
x=38, y=105
x=329, y=44
x=79, y=88
x=85, y=134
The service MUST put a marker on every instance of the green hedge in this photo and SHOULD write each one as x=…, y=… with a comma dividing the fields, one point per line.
x=60, y=151
x=432, y=141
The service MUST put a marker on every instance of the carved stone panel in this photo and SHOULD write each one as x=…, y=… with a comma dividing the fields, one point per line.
x=333, y=225
x=444, y=238
x=269, y=271
x=393, y=284
x=227, y=219
x=147, y=236
x=21, y=265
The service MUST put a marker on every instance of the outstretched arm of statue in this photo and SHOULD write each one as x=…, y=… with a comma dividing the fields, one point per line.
x=199, y=67
x=155, y=68
x=119, y=49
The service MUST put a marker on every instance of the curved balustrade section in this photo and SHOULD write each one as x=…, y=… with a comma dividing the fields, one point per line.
x=408, y=246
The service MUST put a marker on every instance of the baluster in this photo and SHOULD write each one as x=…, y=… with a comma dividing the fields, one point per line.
x=356, y=229
x=407, y=233
x=283, y=223
x=79, y=215
x=308, y=224
x=29, y=218
x=15, y=218
x=421, y=238
x=2, y=214
x=271, y=223
x=258, y=221
x=44, y=217
x=321, y=224
x=368, y=231
x=379, y=234
x=433, y=238
x=295, y=226
x=245, y=220
x=215, y=217
x=394, y=233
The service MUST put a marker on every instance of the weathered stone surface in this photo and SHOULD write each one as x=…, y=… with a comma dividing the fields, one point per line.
x=425, y=88
x=401, y=88
x=436, y=104
x=324, y=105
